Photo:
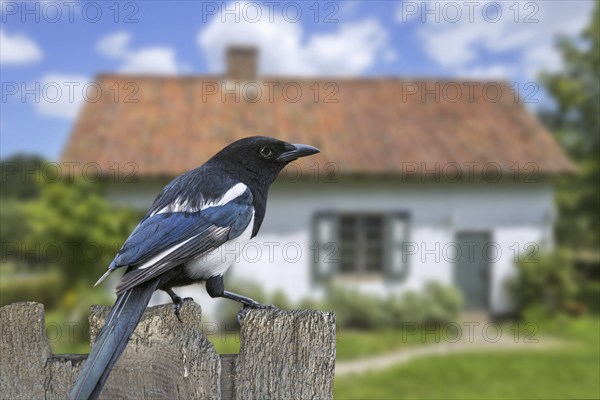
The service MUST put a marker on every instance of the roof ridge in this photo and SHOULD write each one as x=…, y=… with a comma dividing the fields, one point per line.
x=383, y=79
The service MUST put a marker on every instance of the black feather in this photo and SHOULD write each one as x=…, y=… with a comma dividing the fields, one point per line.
x=187, y=220
x=118, y=328
x=207, y=241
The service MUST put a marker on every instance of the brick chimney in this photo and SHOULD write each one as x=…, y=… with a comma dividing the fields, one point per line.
x=242, y=63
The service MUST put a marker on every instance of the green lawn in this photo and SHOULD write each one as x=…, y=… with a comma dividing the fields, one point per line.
x=351, y=344
x=358, y=344
x=569, y=371
x=226, y=343
x=563, y=372
x=64, y=336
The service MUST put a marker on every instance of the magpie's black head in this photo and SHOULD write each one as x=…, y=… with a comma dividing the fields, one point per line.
x=261, y=156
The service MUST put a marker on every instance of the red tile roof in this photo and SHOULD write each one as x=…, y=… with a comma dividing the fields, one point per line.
x=167, y=125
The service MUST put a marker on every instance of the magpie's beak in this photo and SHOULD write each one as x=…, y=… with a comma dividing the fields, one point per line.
x=296, y=151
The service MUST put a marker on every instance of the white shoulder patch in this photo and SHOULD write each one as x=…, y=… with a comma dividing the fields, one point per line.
x=233, y=193
x=180, y=205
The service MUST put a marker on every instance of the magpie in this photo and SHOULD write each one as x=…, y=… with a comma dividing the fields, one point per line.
x=191, y=234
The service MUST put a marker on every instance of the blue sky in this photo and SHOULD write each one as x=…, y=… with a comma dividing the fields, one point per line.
x=66, y=43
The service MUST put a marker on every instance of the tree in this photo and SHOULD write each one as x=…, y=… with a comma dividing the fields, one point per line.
x=20, y=176
x=73, y=228
x=576, y=91
x=20, y=183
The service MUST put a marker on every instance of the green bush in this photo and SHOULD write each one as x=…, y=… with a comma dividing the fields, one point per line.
x=280, y=300
x=21, y=176
x=435, y=305
x=590, y=296
x=12, y=231
x=587, y=267
x=445, y=303
x=547, y=280
x=81, y=228
x=309, y=304
x=408, y=307
x=355, y=309
x=43, y=288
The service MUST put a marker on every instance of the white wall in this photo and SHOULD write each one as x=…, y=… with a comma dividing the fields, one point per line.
x=512, y=212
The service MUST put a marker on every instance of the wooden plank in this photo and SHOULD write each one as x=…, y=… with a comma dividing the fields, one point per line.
x=286, y=354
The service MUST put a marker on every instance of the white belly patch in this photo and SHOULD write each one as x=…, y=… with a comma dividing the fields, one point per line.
x=218, y=261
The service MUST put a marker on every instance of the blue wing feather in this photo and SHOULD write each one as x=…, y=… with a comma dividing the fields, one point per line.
x=159, y=232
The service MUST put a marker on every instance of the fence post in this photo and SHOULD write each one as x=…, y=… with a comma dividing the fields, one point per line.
x=284, y=354
x=24, y=350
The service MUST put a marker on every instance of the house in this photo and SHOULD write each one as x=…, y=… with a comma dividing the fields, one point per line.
x=418, y=180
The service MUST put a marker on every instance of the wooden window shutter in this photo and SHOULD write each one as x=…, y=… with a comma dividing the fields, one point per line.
x=396, y=237
x=325, y=246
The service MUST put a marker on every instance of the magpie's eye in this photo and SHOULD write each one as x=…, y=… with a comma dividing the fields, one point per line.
x=266, y=152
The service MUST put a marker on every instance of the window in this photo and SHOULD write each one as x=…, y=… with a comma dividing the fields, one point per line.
x=360, y=244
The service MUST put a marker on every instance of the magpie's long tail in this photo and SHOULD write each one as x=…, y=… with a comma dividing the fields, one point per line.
x=112, y=340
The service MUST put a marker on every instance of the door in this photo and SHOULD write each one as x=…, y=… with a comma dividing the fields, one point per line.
x=472, y=269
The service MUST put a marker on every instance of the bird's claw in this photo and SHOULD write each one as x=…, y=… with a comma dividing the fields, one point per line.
x=265, y=307
x=177, y=306
x=255, y=306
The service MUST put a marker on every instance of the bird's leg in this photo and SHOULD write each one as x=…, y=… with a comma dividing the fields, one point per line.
x=246, y=301
x=177, y=302
x=215, y=288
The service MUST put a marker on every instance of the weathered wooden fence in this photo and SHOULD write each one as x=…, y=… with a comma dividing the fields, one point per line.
x=284, y=355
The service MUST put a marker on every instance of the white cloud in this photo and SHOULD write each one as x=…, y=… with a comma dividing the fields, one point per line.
x=61, y=95
x=493, y=71
x=153, y=60
x=114, y=45
x=474, y=44
x=18, y=49
x=147, y=60
x=351, y=50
